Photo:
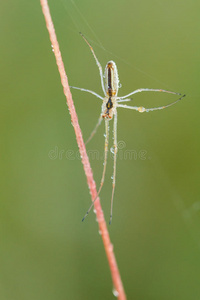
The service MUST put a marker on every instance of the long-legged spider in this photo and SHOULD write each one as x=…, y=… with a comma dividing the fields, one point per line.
x=111, y=101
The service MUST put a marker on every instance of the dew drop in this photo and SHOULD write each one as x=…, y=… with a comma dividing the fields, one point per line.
x=115, y=292
x=94, y=210
x=100, y=232
x=112, y=150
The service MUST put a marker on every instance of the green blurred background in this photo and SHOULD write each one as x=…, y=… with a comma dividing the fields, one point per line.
x=46, y=251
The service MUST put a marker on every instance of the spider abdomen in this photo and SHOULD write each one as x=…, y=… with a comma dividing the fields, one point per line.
x=111, y=79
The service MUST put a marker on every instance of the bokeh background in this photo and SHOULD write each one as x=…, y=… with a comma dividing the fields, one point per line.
x=46, y=251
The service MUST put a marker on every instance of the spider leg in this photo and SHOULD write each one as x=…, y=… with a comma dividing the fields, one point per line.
x=114, y=165
x=85, y=90
x=104, y=167
x=94, y=130
x=97, y=62
x=123, y=100
x=143, y=109
x=148, y=90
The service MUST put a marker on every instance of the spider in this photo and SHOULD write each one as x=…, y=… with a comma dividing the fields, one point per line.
x=111, y=101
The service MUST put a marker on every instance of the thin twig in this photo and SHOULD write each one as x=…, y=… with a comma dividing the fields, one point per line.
x=87, y=168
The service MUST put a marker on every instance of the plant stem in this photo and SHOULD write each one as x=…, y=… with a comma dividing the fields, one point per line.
x=86, y=164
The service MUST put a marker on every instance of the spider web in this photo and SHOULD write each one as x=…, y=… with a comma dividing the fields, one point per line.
x=189, y=213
